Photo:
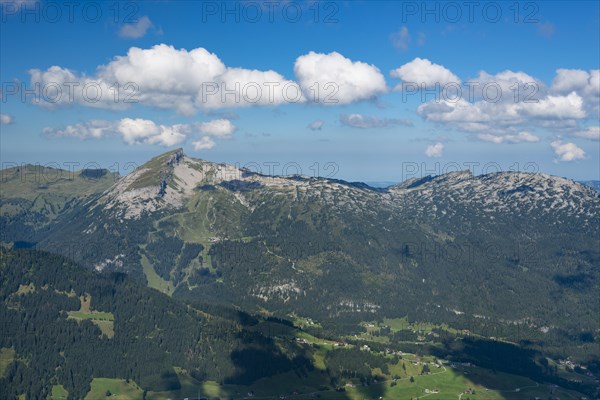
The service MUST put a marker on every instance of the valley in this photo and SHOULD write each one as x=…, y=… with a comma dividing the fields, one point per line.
x=348, y=290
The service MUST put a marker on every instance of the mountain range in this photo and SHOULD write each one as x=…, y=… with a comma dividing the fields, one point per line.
x=509, y=255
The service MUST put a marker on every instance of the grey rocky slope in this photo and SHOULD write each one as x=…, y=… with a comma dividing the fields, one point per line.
x=510, y=249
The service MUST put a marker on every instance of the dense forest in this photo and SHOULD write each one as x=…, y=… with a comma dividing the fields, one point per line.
x=151, y=333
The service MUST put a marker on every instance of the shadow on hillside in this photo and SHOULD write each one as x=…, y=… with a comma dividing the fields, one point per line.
x=514, y=371
x=269, y=373
x=271, y=364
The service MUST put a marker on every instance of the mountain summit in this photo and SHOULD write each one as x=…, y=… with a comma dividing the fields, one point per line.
x=343, y=252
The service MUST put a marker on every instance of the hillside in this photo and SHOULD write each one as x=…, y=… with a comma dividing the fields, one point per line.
x=524, y=245
x=67, y=326
x=32, y=196
x=71, y=333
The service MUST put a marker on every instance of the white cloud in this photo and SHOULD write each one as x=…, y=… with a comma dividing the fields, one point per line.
x=137, y=29
x=585, y=83
x=189, y=81
x=205, y=143
x=435, y=150
x=135, y=131
x=529, y=88
x=556, y=107
x=165, y=77
x=334, y=79
x=501, y=119
x=591, y=132
x=401, y=39
x=6, y=119
x=316, y=125
x=218, y=127
x=422, y=71
x=567, y=151
x=366, y=122
x=509, y=138
x=170, y=135
x=568, y=80
x=61, y=86
x=254, y=87
x=142, y=131
x=92, y=129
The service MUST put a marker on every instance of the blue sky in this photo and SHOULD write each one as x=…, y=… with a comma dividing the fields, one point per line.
x=370, y=53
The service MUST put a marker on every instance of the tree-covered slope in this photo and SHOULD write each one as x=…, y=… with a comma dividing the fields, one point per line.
x=515, y=251
x=66, y=326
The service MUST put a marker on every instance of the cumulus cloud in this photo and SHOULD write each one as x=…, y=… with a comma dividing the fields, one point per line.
x=137, y=29
x=585, y=83
x=524, y=103
x=205, y=143
x=334, y=79
x=567, y=151
x=568, y=80
x=136, y=131
x=366, y=122
x=61, y=86
x=591, y=133
x=509, y=138
x=401, y=39
x=435, y=150
x=556, y=107
x=192, y=80
x=316, y=125
x=142, y=131
x=498, y=118
x=219, y=127
x=165, y=77
x=530, y=89
x=422, y=71
x=91, y=129
x=6, y=119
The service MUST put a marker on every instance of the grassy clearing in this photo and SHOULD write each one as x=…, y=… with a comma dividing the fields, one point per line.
x=95, y=315
x=25, y=289
x=58, y=393
x=119, y=388
x=154, y=280
x=103, y=320
x=6, y=357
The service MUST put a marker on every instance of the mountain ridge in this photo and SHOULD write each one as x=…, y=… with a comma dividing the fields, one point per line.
x=524, y=244
x=179, y=174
